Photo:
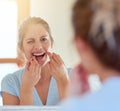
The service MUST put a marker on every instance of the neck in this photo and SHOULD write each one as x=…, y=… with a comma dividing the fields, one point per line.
x=105, y=74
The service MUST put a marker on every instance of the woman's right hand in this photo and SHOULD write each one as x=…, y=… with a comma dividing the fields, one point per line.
x=30, y=78
x=79, y=84
x=32, y=73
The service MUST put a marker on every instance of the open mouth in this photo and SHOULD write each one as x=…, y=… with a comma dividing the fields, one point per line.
x=38, y=56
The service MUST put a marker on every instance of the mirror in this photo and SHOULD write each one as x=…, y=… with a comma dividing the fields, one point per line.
x=57, y=14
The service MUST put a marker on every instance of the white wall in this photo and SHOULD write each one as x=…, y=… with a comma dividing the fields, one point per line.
x=58, y=15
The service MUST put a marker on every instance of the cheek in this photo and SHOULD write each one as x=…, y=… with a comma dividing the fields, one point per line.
x=48, y=47
x=27, y=49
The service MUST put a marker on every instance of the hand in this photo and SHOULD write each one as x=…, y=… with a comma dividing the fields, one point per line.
x=32, y=73
x=79, y=84
x=56, y=67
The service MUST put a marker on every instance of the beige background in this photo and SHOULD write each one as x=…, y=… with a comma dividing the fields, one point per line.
x=58, y=14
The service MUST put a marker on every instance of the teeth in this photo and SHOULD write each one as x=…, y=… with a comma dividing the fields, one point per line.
x=38, y=54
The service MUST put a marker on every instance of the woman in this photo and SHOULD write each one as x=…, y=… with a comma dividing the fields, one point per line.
x=44, y=79
x=97, y=37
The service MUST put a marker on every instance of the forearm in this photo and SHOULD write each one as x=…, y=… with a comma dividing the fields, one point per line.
x=26, y=96
x=62, y=87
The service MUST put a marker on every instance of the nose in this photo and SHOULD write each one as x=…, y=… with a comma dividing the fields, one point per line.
x=38, y=45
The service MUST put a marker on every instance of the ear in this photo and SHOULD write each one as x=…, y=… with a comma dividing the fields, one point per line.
x=80, y=44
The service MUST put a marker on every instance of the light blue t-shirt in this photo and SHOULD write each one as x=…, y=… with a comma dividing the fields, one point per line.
x=107, y=98
x=11, y=84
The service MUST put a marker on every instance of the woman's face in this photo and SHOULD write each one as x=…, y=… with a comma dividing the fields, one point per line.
x=36, y=42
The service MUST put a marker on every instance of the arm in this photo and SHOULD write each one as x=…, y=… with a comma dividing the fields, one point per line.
x=9, y=90
x=9, y=99
x=25, y=99
x=62, y=86
x=26, y=96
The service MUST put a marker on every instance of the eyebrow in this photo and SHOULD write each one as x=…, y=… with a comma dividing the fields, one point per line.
x=32, y=38
x=29, y=38
x=44, y=36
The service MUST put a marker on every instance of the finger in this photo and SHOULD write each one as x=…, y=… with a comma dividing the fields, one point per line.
x=37, y=69
x=27, y=65
x=51, y=58
x=49, y=54
x=34, y=59
x=47, y=66
x=32, y=67
x=57, y=58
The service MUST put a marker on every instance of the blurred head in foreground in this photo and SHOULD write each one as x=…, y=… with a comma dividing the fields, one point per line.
x=97, y=35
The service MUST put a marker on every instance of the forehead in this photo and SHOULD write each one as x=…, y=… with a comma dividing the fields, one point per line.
x=35, y=29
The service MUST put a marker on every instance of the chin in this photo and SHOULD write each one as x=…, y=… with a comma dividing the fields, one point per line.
x=42, y=63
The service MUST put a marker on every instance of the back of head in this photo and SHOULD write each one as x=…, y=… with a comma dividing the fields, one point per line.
x=97, y=22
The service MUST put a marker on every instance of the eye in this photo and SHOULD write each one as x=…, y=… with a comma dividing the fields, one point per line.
x=29, y=42
x=44, y=39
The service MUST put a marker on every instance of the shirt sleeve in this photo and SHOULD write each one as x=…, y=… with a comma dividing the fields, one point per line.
x=69, y=71
x=8, y=85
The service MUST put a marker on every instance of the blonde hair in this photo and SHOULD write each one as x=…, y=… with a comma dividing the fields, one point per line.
x=25, y=24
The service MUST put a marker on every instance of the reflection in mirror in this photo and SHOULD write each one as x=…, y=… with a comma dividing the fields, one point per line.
x=44, y=78
x=58, y=17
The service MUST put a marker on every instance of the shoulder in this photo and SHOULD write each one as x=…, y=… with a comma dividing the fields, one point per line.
x=12, y=79
x=11, y=82
x=15, y=75
x=79, y=103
